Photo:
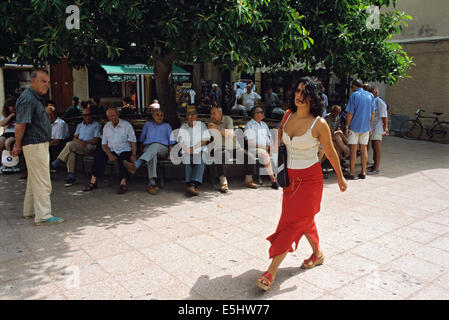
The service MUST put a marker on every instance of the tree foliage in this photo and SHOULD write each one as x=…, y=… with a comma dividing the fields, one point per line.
x=347, y=45
x=230, y=32
x=233, y=33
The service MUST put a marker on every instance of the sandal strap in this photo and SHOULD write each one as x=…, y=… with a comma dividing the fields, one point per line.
x=312, y=259
x=268, y=276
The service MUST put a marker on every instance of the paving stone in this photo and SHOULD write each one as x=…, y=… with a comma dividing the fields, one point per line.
x=387, y=237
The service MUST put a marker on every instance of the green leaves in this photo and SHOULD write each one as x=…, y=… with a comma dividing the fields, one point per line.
x=345, y=44
x=234, y=33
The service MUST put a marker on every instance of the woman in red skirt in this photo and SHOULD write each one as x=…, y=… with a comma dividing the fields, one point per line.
x=302, y=130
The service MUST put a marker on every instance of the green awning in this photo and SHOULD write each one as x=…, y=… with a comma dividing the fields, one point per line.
x=128, y=72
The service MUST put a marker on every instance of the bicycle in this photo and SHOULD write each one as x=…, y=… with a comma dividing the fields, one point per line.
x=413, y=129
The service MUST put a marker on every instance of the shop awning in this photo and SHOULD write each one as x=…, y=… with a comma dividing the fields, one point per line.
x=129, y=72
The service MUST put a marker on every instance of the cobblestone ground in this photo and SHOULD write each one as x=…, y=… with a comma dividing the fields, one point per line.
x=387, y=237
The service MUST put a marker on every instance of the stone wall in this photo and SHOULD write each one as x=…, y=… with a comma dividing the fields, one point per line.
x=428, y=87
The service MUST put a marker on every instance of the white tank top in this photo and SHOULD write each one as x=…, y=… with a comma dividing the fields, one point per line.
x=302, y=151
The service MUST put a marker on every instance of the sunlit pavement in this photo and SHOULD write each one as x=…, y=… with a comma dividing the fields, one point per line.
x=387, y=237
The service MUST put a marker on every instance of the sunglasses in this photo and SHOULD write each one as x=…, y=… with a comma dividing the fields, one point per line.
x=259, y=112
x=87, y=114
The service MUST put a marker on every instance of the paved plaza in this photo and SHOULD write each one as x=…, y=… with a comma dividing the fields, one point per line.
x=387, y=237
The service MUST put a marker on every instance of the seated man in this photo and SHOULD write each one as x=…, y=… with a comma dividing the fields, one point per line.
x=85, y=139
x=74, y=110
x=59, y=132
x=97, y=109
x=338, y=137
x=221, y=128
x=278, y=113
x=271, y=101
x=257, y=135
x=118, y=144
x=156, y=143
x=239, y=108
x=8, y=122
x=192, y=137
x=154, y=106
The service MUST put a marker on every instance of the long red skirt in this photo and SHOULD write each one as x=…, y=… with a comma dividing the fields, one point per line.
x=300, y=202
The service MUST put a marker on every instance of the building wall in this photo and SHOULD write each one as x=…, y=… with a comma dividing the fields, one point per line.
x=426, y=40
x=81, y=84
x=430, y=18
x=428, y=86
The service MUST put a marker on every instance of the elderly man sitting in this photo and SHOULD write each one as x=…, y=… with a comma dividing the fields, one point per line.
x=338, y=138
x=156, y=142
x=59, y=132
x=192, y=137
x=85, y=139
x=257, y=136
x=226, y=146
x=118, y=144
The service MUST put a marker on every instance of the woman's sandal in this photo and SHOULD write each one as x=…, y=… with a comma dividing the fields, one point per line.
x=265, y=284
x=90, y=186
x=315, y=261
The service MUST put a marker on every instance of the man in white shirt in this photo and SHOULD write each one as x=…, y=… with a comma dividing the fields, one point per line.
x=59, y=132
x=249, y=97
x=118, y=144
x=193, y=136
x=380, y=128
x=192, y=95
x=258, y=140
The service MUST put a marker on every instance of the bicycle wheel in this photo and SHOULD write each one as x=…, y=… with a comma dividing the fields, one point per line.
x=440, y=133
x=410, y=129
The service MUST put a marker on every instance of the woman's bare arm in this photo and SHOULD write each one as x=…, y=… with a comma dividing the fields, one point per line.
x=325, y=139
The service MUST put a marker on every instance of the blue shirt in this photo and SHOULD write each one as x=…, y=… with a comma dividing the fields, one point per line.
x=326, y=103
x=89, y=131
x=153, y=132
x=361, y=104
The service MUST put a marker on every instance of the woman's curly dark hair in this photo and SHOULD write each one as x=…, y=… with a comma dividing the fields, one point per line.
x=314, y=91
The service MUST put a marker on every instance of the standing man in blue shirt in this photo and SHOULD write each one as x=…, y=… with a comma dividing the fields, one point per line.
x=33, y=133
x=360, y=115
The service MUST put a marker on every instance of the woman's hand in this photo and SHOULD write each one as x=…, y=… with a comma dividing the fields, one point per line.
x=342, y=184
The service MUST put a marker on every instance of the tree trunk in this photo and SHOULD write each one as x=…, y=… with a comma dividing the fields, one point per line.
x=196, y=82
x=165, y=87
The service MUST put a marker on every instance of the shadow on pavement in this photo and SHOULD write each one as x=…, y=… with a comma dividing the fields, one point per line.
x=243, y=287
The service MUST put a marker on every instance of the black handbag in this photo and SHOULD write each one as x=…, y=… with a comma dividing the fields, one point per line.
x=282, y=174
